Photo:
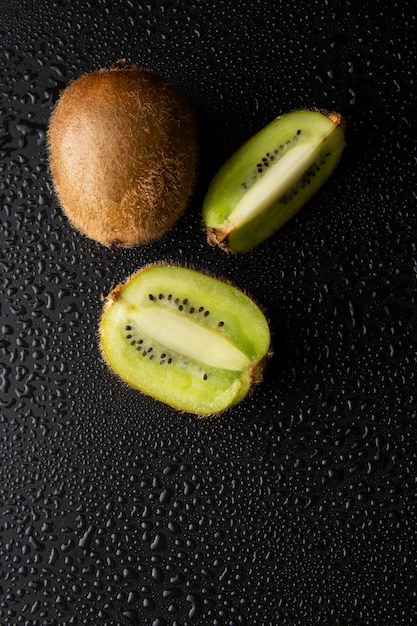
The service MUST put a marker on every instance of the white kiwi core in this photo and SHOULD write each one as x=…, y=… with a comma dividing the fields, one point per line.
x=193, y=341
x=274, y=183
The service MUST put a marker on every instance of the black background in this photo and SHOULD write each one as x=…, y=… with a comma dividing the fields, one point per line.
x=298, y=505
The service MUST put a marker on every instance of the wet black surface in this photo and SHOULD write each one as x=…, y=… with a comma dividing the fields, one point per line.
x=299, y=505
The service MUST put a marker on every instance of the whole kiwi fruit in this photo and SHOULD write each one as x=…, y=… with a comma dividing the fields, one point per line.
x=123, y=154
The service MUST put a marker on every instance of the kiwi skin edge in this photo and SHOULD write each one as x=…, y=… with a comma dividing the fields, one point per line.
x=270, y=179
x=221, y=389
x=123, y=153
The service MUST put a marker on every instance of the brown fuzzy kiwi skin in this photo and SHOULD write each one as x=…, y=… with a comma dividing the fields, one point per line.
x=123, y=153
x=114, y=295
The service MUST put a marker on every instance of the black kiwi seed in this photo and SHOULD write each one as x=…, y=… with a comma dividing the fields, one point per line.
x=206, y=313
x=268, y=158
x=205, y=377
x=220, y=324
x=151, y=297
x=160, y=296
x=128, y=328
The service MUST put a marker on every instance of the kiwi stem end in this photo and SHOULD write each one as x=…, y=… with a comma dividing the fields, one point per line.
x=216, y=237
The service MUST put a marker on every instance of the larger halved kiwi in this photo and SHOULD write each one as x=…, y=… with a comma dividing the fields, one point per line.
x=185, y=338
x=123, y=153
x=271, y=177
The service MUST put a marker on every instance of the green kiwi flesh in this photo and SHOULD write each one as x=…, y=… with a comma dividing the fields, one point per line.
x=185, y=338
x=269, y=179
x=123, y=152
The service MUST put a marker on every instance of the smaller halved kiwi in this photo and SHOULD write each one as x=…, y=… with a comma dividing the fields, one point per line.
x=123, y=153
x=185, y=338
x=271, y=177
